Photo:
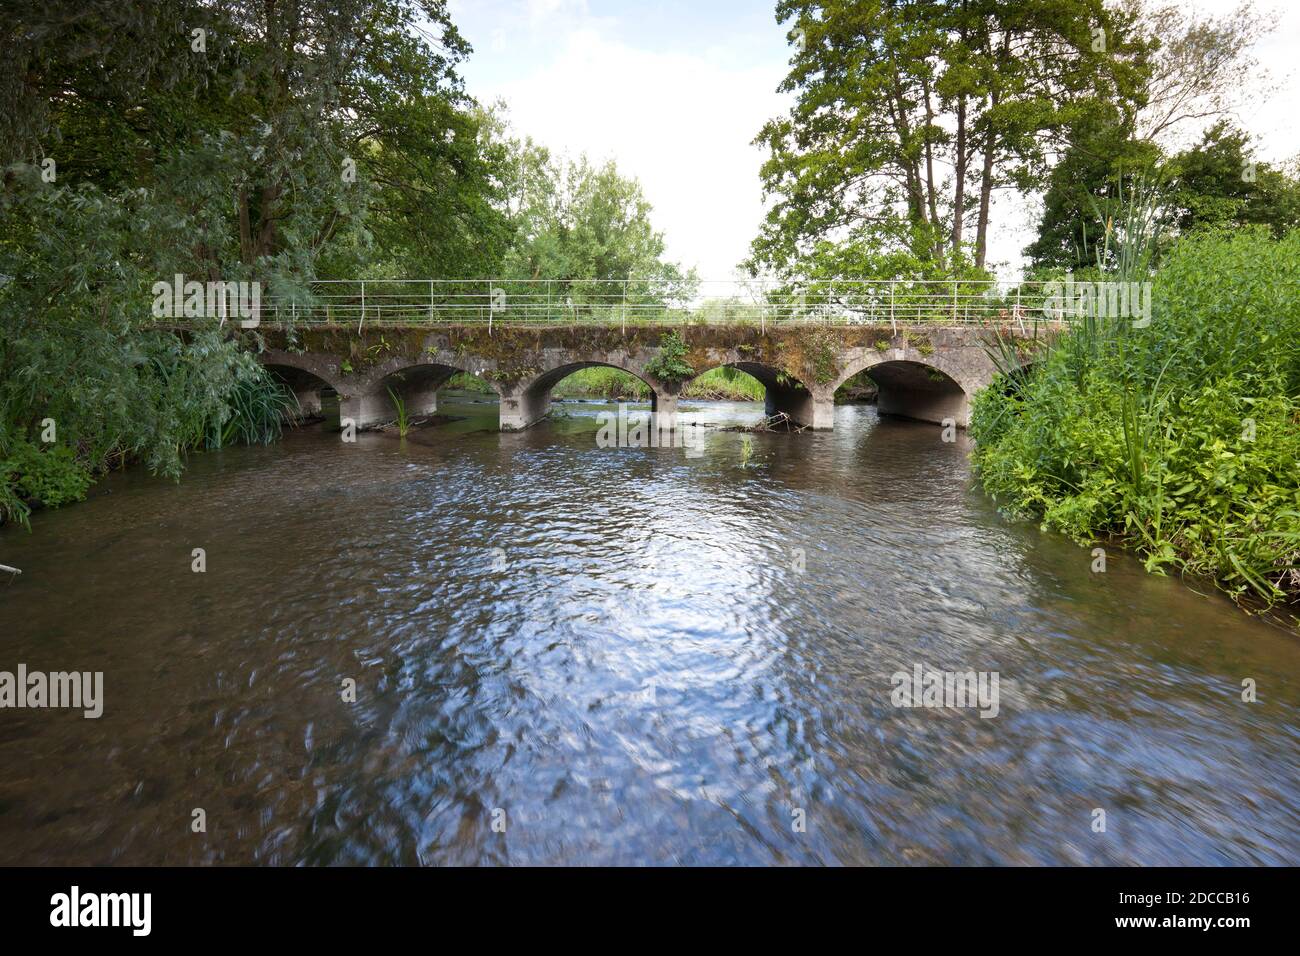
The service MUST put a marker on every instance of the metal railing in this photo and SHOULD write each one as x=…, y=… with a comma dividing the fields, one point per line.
x=624, y=302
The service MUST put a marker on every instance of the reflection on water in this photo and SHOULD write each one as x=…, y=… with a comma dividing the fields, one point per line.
x=618, y=649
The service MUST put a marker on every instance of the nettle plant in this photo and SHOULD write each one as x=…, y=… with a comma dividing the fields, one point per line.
x=670, y=364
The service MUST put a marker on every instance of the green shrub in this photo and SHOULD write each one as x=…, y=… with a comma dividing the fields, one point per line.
x=50, y=477
x=670, y=364
x=1180, y=439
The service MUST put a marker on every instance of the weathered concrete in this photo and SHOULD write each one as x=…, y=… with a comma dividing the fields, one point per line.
x=925, y=373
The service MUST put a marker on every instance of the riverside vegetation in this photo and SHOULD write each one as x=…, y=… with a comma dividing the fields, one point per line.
x=263, y=156
x=1180, y=440
x=724, y=383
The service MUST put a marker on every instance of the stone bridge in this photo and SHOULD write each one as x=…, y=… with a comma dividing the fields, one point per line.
x=928, y=373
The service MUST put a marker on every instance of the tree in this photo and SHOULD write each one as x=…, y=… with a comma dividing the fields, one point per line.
x=1083, y=186
x=95, y=58
x=1195, y=67
x=339, y=123
x=1198, y=65
x=1218, y=183
x=240, y=139
x=911, y=113
x=574, y=220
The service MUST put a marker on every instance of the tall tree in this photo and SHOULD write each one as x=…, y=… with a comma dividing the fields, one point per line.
x=910, y=114
x=1197, y=67
x=323, y=120
x=577, y=220
x=1104, y=160
x=1200, y=66
x=1217, y=182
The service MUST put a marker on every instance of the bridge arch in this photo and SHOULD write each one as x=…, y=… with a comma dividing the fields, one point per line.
x=782, y=392
x=530, y=400
x=928, y=388
x=549, y=379
x=417, y=385
x=307, y=376
x=364, y=396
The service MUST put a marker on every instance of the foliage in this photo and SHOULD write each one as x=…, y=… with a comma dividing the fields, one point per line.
x=290, y=145
x=889, y=94
x=670, y=364
x=1179, y=439
x=403, y=419
x=723, y=383
x=82, y=348
x=1197, y=68
x=1200, y=66
x=1218, y=183
x=1084, y=188
x=255, y=410
x=583, y=228
x=820, y=352
x=29, y=474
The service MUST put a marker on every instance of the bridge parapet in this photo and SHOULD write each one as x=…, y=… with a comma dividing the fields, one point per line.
x=628, y=303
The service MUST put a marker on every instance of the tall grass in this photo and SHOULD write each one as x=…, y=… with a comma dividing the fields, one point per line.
x=403, y=419
x=1179, y=440
x=256, y=409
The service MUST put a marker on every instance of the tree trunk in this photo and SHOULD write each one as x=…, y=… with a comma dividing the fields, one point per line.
x=986, y=192
x=959, y=196
x=245, y=229
x=990, y=149
x=267, y=215
x=937, y=242
x=911, y=168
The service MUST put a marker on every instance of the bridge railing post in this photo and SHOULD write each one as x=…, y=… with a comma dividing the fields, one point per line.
x=363, y=307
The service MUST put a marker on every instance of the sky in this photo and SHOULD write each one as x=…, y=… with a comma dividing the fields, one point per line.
x=675, y=91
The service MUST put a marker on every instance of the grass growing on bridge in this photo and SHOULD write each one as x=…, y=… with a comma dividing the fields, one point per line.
x=1180, y=440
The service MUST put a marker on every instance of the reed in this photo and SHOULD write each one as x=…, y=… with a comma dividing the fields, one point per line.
x=403, y=419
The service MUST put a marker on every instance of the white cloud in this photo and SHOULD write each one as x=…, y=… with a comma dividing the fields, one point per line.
x=680, y=122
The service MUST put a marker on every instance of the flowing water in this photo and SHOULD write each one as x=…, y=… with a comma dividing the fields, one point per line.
x=569, y=654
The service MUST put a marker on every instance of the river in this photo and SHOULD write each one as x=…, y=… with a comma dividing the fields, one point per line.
x=567, y=654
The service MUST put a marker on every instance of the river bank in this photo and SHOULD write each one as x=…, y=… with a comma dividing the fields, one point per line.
x=1177, y=438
